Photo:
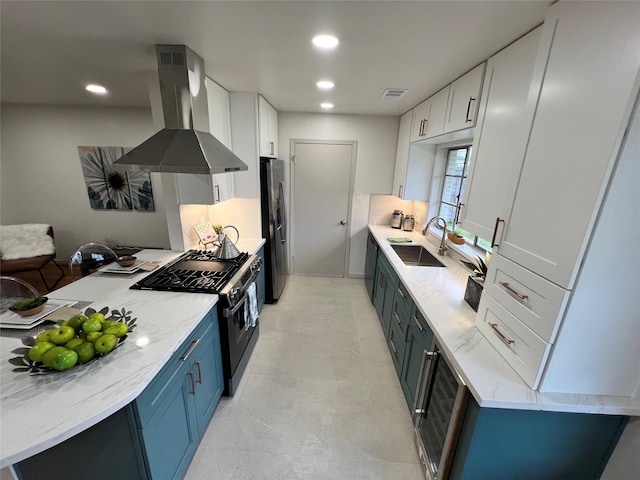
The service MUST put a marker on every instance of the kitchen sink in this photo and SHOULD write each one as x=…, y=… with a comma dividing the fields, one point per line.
x=416, y=256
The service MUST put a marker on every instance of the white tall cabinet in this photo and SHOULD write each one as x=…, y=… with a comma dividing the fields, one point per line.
x=504, y=121
x=560, y=297
x=210, y=189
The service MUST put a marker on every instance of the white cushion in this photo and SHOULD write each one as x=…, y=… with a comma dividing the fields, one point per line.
x=25, y=241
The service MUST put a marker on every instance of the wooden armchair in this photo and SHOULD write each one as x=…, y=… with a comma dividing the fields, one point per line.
x=28, y=247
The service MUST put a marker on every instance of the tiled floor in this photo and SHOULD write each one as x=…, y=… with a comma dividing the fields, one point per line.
x=320, y=398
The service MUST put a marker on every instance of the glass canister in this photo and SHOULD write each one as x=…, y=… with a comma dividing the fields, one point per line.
x=408, y=223
x=397, y=217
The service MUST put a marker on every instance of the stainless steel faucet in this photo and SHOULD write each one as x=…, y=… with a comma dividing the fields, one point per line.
x=442, y=249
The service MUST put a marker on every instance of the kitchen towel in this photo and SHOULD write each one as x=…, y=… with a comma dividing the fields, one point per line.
x=399, y=240
x=251, y=307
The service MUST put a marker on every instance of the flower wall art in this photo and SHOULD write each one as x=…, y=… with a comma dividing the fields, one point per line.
x=109, y=189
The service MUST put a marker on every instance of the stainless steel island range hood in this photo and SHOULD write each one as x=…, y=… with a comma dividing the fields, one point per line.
x=185, y=144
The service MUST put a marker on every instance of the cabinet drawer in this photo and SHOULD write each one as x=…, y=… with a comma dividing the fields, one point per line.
x=520, y=347
x=535, y=301
x=403, y=297
x=418, y=321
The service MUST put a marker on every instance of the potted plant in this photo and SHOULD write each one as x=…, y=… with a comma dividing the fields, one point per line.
x=475, y=282
x=456, y=236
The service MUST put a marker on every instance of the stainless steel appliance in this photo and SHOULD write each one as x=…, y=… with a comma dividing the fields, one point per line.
x=201, y=271
x=396, y=219
x=408, y=223
x=439, y=409
x=185, y=144
x=274, y=226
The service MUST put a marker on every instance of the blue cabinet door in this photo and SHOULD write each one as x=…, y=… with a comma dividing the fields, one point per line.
x=170, y=437
x=208, y=382
x=419, y=339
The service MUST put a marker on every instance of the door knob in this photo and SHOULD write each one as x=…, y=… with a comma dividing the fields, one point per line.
x=342, y=222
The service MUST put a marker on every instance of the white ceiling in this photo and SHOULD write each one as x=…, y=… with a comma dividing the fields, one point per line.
x=51, y=49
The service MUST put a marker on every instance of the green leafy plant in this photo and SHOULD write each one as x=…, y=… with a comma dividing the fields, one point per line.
x=28, y=304
x=478, y=267
x=457, y=232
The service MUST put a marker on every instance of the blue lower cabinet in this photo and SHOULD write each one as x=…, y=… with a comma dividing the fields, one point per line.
x=419, y=338
x=532, y=445
x=154, y=437
x=384, y=293
x=175, y=409
x=260, y=283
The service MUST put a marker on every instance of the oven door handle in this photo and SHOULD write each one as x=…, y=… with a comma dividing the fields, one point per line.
x=228, y=312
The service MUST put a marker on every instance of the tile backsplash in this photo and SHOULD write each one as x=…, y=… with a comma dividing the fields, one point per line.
x=382, y=206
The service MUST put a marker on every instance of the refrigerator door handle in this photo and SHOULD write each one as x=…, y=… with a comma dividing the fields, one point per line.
x=282, y=227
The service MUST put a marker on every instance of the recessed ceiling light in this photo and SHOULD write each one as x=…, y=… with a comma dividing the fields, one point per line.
x=325, y=84
x=99, y=89
x=325, y=41
x=326, y=105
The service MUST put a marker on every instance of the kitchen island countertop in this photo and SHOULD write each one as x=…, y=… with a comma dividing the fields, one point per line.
x=439, y=294
x=40, y=411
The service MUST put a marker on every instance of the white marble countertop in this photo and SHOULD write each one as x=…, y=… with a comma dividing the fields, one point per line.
x=439, y=294
x=40, y=411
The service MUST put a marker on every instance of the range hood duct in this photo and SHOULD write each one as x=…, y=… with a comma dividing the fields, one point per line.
x=185, y=144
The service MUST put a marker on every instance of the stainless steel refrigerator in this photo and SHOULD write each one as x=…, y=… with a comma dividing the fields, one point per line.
x=274, y=226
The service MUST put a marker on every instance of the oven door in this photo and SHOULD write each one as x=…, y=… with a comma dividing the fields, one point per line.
x=237, y=332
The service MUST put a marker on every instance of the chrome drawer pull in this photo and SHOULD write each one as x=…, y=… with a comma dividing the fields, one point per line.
x=502, y=336
x=517, y=294
x=194, y=344
x=395, y=314
x=393, y=346
x=401, y=293
x=415, y=319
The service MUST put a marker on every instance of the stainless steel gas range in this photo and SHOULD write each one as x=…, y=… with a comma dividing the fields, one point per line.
x=200, y=271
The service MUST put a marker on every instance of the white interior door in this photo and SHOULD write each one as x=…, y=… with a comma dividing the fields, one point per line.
x=322, y=182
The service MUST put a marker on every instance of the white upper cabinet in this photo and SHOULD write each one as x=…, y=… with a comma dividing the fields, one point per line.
x=402, y=153
x=268, y=131
x=414, y=164
x=420, y=121
x=429, y=116
x=589, y=63
x=504, y=121
x=464, y=97
x=210, y=189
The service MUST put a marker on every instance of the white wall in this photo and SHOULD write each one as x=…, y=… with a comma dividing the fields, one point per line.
x=42, y=180
x=377, y=137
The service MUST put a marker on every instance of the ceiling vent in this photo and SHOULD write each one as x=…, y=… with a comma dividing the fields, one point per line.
x=393, y=93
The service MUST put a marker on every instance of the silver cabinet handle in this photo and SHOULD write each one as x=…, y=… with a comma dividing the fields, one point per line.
x=467, y=119
x=218, y=192
x=197, y=364
x=511, y=289
x=415, y=319
x=395, y=314
x=495, y=232
x=502, y=336
x=401, y=293
x=272, y=147
x=190, y=351
x=193, y=383
x=393, y=346
x=400, y=190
